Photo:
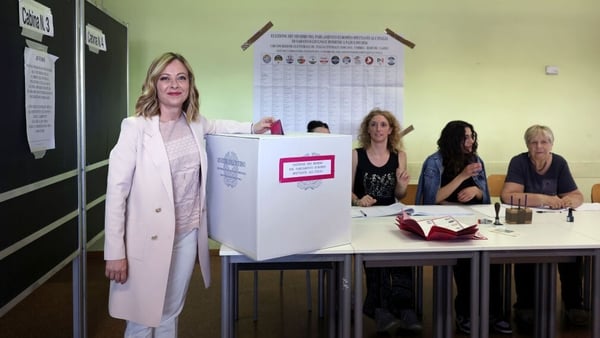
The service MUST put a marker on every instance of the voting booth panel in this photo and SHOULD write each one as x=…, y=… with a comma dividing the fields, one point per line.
x=42, y=195
x=270, y=196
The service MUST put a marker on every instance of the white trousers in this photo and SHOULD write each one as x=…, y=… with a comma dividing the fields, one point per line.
x=180, y=273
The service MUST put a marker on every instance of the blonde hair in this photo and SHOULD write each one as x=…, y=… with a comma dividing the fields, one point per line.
x=394, y=142
x=147, y=104
x=537, y=129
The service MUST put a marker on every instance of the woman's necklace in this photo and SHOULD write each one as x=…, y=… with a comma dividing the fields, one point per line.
x=376, y=158
x=540, y=168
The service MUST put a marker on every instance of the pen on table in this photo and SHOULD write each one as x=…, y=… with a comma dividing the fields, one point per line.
x=550, y=211
x=363, y=213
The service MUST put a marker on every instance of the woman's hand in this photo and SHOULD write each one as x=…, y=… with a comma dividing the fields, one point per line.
x=471, y=170
x=366, y=201
x=116, y=270
x=555, y=202
x=468, y=194
x=263, y=125
x=402, y=178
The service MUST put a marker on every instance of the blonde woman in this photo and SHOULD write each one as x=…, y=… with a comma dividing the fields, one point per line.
x=379, y=177
x=155, y=224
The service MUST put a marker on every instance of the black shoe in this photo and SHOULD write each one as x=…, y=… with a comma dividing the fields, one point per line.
x=577, y=317
x=501, y=326
x=385, y=321
x=524, y=319
x=409, y=321
x=463, y=324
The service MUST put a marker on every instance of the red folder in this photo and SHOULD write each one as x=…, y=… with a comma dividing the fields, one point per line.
x=439, y=228
x=276, y=128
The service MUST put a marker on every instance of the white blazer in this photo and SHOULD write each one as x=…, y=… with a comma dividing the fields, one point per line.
x=140, y=214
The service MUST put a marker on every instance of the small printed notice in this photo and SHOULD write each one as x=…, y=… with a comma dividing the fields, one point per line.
x=36, y=17
x=306, y=168
x=40, y=95
x=95, y=39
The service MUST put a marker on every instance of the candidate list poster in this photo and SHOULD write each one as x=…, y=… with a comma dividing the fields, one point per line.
x=334, y=77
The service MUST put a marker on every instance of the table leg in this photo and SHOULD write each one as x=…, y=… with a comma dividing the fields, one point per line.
x=551, y=296
x=438, y=295
x=346, y=295
x=331, y=298
x=484, y=298
x=447, y=300
x=596, y=294
x=541, y=302
x=358, y=297
x=225, y=297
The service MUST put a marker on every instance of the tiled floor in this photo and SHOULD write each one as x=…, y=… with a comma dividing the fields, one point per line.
x=282, y=311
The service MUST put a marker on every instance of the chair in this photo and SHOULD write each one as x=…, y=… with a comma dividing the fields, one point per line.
x=596, y=193
x=495, y=184
x=411, y=195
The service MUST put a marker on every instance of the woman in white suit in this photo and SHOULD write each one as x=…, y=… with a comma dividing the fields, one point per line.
x=156, y=222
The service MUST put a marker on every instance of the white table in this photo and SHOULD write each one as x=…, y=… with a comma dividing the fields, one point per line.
x=588, y=224
x=548, y=240
x=379, y=242
x=339, y=255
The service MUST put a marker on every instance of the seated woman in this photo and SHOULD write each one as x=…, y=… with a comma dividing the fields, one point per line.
x=456, y=174
x=544, y=177
x=379, y=177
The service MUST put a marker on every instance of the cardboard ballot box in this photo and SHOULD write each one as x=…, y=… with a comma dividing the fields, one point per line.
x=270, y=196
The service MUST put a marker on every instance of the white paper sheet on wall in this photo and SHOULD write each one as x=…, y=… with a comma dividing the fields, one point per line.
x=333, y=77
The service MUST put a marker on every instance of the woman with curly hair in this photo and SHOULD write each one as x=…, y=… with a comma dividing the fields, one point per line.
x=379, y=177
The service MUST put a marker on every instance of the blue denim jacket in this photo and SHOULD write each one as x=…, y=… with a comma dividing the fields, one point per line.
x=431, y=179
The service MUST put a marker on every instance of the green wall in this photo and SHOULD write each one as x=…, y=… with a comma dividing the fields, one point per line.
x=478, y=60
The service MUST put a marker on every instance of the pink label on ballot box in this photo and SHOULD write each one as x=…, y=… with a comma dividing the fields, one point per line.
x=306, y=168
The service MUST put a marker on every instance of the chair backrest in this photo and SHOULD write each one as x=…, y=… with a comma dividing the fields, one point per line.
x=411, y=195
x=495, y=184
x=596, y=193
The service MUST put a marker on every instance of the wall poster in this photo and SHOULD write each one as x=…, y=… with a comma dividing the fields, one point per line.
x=334, y=77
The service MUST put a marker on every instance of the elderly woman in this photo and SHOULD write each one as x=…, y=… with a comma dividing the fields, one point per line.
x=544, y=177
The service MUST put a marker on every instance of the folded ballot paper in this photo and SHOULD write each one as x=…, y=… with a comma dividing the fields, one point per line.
x=412, y=210
x=380, y=210
x=438, y=228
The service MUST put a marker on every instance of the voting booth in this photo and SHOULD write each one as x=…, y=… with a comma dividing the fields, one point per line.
x=270, y=196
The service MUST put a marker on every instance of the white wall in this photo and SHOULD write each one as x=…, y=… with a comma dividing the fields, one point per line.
x=481, y=61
